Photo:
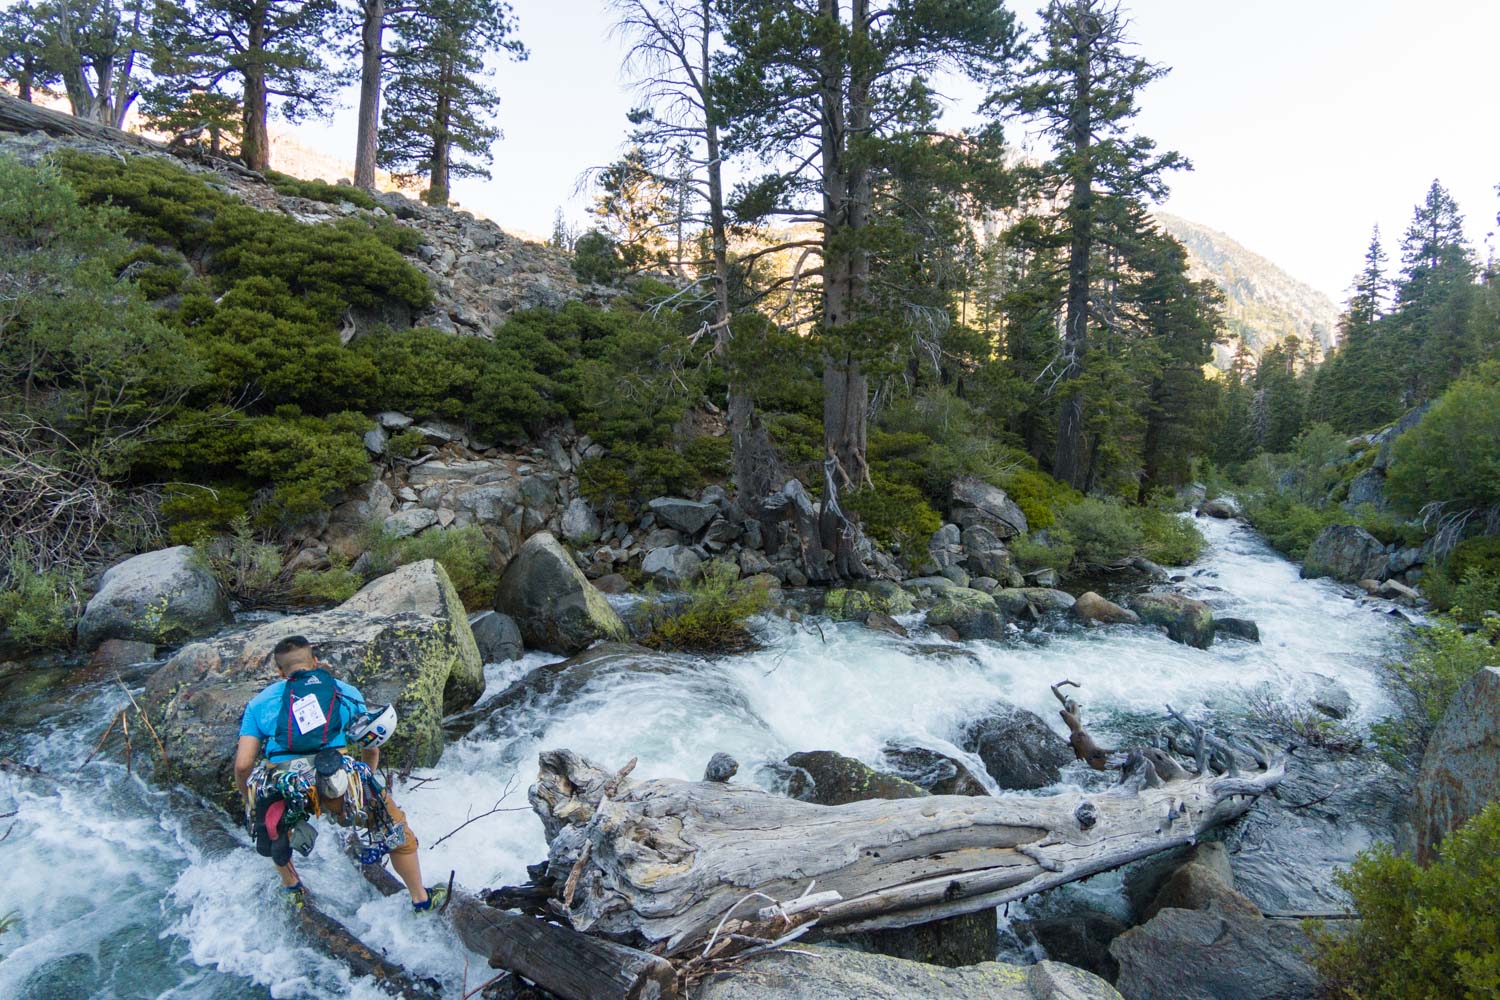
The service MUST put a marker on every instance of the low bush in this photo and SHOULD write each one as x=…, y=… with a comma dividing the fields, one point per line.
x=405, y=444
x=1167, y=538
x=319, y=190
x=1290, y=526
x=333, y=585
x=895, y=514
x=466, y=555
x=1482, y=554
x=1437, y=661
x=1103, y=532
x=1422, y=933
x=193, y=512
x=1056, y=552
x=38, y=608
x=711, y=617
x=596, y=258
x=1452, y=456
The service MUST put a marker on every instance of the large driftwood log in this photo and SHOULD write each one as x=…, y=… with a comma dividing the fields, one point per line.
x=659, y=863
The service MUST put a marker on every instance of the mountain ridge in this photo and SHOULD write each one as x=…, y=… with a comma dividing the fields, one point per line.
x=1263, y=304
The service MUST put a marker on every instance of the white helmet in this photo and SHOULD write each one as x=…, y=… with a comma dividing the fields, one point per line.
x=371, y=729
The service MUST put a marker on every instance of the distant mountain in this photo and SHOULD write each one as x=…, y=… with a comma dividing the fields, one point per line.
x=1263, y=304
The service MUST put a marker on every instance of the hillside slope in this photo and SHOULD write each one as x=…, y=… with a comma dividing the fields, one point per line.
x=1263, y=304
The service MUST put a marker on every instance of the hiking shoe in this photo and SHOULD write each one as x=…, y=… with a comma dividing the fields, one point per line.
x=294, y=896
x=437, y=895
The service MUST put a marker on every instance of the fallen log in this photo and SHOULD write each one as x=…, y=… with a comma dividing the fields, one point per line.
x=17, y=115
x=565, y=963
x=659, y=862
x=335, y=939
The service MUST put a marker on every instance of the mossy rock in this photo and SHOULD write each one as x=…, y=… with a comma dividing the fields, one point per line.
x=1186, y=621
x=844, y=605
x=831, y=779
x=404, y=639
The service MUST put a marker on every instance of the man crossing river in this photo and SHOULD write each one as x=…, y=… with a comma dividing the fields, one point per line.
x=304, y=723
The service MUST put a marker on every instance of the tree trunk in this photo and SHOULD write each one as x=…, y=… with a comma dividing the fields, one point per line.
x=255, y=145
x=442, y=140
x=1071, y=462
x=371, y=41
x=660, y=863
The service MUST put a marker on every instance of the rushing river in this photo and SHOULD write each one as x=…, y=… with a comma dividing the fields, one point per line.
x=125, y=891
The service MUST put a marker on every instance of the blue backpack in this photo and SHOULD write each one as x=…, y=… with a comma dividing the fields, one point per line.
x=309, y=711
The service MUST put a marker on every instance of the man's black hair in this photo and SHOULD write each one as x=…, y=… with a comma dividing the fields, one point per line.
x=290, y=644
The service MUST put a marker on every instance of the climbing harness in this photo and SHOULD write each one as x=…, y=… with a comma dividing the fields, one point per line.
x=290, y=794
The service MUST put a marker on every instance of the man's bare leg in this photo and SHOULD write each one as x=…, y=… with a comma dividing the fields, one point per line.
x=410, y=870
x=289, y=876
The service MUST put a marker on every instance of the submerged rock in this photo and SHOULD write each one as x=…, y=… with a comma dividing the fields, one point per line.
x=1223, y=508
x=161, y=597
x=552, y=602
x=1017, y=747
x=403, y=639
x=831, y=779
x=1237, y=628
x=1186, y=621
x=1461, y=768
x=840, y=974
x=933, y=770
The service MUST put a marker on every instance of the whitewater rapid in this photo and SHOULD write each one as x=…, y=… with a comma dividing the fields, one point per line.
x=123, y=890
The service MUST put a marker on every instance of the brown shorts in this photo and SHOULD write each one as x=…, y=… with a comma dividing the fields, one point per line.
x=332, y=808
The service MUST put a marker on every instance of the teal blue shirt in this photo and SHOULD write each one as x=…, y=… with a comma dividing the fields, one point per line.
x=262, y=718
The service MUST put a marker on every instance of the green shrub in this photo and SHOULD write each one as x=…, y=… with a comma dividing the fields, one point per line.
x=1482, y=554
x=1422, y=933
x=1167, y=538
x=1102, y=532
x=194, y=512
x=333, y=585
x=895, y=514
x=605, y=483
x=1477, y=596
x=1437, y=661
x=1039, y=496
x=712, y=617
x=405, y=444
x=1453, y=455
x=708, y=457
x=38, y=608
x=1055, y=553
x=1290, y=526
x=492, y=389
x=466, y=555
x=319, y=190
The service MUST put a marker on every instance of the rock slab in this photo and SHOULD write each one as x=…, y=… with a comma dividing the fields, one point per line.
x=161, y=597
x=1345, y=552
x=835, y=974
x=1461, y=769
x=1017, y=747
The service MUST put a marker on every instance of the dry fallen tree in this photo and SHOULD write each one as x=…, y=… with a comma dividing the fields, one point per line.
x=667, y=865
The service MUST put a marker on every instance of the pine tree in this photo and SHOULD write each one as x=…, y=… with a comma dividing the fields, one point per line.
x=24, y=57
x=1435, y=297
x=438, y=120
x=828, y=98
x=1080, y=86
x=256, y=51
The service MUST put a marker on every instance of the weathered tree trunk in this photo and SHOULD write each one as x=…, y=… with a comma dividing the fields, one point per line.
x=255, y=143
x=564, y=962
x=372, y=34
x=334, y=939
x=659, y=863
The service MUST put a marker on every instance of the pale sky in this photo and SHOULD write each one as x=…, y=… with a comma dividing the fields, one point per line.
x=1307, y=121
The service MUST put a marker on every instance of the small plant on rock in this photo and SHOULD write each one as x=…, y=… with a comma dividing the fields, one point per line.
x=712, y=617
